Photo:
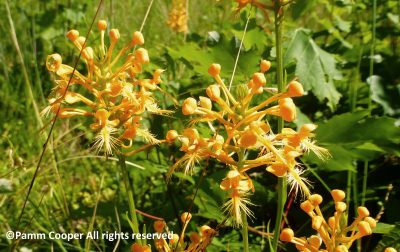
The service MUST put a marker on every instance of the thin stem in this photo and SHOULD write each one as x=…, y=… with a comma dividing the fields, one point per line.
x=282, y=183
x=131, y=201
x=371, y=73
x=245, y=232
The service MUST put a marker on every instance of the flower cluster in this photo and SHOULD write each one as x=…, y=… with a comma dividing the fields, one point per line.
x=238, y=128
x=334, y=233
x=115, y=95
x=178, y=16
x=197, y=241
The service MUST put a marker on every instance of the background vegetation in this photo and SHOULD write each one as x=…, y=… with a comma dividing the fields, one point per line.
x=351, y=74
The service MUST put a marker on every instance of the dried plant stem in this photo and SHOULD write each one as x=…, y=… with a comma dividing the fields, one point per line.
x=282, y=182
x=129, y=192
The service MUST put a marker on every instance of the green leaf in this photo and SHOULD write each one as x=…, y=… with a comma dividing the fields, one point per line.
x=390, y=239
x=387, y=96
x=354, y=136
x=383, y=228
x=315, y=68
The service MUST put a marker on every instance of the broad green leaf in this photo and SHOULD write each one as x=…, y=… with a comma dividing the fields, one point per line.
x=353, y=136
x=390, y=239
x=383, y=228
x=387, y=96
x=315, y=68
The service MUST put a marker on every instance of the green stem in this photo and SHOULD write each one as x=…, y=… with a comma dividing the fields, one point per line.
x=282, y=183
x=371, y=73
x=245, y=233
x=128, y=187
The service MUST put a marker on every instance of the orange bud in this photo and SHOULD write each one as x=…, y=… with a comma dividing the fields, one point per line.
x=186, y=217
x=137, y=38
x=390, y=249
x=338, y=195
x=364, y=228
x=306, y=206
x=278, y=170
x=204, y=102
x=205, y=230
x=331, y=222
x=114, y=35
x=194, y=238
x=171, y=136
x=371, y=221
x=295, y=89
x=142, y=56
x=53, y=62
x=287, y=109
x=247, y=139
x=315, y=199
x=363, y=212
x=265, y=65
x=317, y=222
x=189, y=106
x=341, y=248
x=286, y=235
x=315, y=241
x=259, y=80
x=88, y=53
x=72, y=35
x=159, y=226
x=213, y=92
x=340, y=206
x=102, y=116
x=214, y=69
x=102, y=25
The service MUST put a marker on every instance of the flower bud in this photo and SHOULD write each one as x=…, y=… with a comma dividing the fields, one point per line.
x=88, y=53
x=295, y=89
x=189, y=106
x=204, y=102
x=142, y=56
x=214, y=69
x=171, y=136
x=315, y=241
x=331, y=222
x=72, y=35
x=278, y=170
x=137, y=38
x=341, y=248
x=338, y=195
x=259, y=80
x=364, y=228
x=317, y=222
x=205, y=230
x=371, y=221
x=114, y=35
x=194, y=238
x=265, y=65
x=81, y=40
x=286, y=235
x=186, y=217
x=53, y=62
x=306, y=206
x=247, y=139
x=174, y=240
x=213, y=92
x=340, y=206
x=315, y=199
x=159, y=226
x=390, y=249
x=362, y=212
x=102, y=25
x=287, y=109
